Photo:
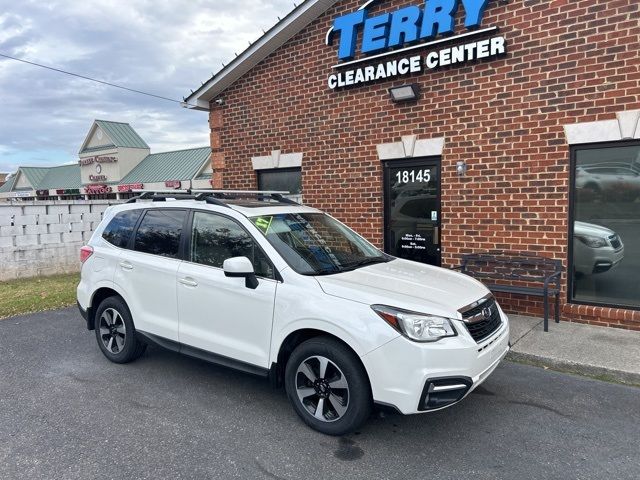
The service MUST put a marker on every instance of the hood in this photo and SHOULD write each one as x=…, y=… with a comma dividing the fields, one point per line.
x=583, y=228
x=405, y=284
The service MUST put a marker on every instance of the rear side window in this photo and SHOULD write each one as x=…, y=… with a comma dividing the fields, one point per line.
x=159, y=232
x=120, y=228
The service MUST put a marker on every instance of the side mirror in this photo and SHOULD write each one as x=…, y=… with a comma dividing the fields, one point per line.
x=241, y=267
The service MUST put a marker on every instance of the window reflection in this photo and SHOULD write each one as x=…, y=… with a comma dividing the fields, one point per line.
x=606, y=227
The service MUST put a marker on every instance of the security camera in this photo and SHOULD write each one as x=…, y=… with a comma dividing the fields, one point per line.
x=219, y=101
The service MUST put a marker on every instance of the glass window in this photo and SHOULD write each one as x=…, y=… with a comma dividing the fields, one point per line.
x=606, y=225
x=159, y=232
x=316, y=244
x=281, y=179
x=120, y=228
x=215, y=238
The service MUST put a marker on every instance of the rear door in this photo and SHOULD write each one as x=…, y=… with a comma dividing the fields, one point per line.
x=147, y=271
x=217, y=313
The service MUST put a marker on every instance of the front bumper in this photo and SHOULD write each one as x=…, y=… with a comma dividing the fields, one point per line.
x=417, y=377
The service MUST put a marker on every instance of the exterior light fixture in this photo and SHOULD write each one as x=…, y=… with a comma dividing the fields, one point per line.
x=405, y=93
x=461, y=168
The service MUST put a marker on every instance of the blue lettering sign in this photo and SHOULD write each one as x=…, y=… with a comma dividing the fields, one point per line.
x=346, y=25
x=475, y=11
x=439, y=17
x=376, y=31
x=408, y=24
x=404, y=26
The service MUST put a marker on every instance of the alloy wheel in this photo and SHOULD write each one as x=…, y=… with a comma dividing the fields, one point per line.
x=322, y=388
x=112, y=331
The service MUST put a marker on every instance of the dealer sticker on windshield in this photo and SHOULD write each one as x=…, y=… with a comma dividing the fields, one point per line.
x=263, y=223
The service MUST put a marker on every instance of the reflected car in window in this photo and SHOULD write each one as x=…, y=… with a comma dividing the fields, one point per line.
x=615, y=181
x=596, y=249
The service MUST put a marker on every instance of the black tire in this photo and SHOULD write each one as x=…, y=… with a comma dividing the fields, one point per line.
x=342, y=363
x=117, y=346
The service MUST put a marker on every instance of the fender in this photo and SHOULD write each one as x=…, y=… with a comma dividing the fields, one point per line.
x=110, y=285
x=316, y=324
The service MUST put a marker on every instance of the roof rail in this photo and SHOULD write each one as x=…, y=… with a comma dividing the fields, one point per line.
x=213, y=197
x=277, y=195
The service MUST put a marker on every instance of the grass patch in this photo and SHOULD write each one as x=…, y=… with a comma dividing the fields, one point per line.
x=28, y=295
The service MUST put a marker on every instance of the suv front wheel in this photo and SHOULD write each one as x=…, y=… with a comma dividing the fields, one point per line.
x=328, y=386
x=115, y=332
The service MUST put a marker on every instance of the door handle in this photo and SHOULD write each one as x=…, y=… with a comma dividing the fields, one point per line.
x=126, y=266
x=436, y=237
x=188, y=281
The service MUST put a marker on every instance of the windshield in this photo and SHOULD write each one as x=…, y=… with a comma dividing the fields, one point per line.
x=316, y=244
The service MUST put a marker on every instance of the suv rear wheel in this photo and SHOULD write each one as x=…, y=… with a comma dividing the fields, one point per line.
x=115, y=332
x=328, y=386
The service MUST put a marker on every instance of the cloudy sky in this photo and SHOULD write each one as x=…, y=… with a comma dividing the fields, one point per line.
x=165, y=47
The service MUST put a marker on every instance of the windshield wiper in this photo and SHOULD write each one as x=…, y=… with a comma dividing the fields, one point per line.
x=365, y=261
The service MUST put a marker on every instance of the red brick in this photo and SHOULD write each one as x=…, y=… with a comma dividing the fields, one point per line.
x=567, y=62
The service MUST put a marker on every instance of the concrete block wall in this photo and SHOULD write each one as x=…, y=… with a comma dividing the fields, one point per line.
x=44, y=238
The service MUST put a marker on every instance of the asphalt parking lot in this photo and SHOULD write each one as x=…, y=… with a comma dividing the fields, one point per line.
x=67, y=413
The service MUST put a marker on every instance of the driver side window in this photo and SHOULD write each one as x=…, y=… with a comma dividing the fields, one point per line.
x=215, y=238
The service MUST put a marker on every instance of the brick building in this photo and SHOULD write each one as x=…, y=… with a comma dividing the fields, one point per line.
x=516, y=129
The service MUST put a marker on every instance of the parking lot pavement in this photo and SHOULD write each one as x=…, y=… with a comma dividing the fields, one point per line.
x=67, y=413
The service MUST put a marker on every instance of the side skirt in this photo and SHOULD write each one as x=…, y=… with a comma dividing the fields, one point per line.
x=203, y=354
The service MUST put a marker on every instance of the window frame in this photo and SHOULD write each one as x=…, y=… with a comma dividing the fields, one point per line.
x=573, y=149
x=189, y=240
x=181, y=242
x=134, y=229
x=279, y=170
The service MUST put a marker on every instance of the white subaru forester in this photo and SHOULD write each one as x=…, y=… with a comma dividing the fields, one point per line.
x=261, y=284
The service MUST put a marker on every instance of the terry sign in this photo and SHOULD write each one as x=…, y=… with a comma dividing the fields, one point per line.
x=370, y=37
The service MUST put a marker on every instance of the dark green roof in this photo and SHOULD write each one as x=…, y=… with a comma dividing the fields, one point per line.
x=121, y=135
x=47, y=178
x=7, y=186
x=64, y=176
x=35, y=175
x=161, y=167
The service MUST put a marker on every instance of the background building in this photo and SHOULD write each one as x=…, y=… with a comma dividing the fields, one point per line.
x=515, y=127
x=113, y=161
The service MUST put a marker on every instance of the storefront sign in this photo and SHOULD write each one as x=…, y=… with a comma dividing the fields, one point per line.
x=42, y=193
x=90, y=160
x=22, y=194
x=68, y=191
x=97, y=189
x=98, y=178
x=130, y=187
x=173, y=184
x=387, y=34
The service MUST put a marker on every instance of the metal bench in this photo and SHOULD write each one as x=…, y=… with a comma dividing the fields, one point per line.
x=519, y=273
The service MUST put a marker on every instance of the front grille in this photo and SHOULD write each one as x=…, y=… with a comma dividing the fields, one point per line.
x=615, y=242
x=480, y=327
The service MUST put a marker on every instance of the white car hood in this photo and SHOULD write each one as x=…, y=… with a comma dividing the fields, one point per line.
x=405, y=284
x=583, y=228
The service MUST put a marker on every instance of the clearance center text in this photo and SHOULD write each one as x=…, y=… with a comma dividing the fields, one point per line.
x=481, y=49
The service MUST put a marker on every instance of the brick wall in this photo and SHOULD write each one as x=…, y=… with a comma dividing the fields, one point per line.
x=568, y=61
x=44, y=238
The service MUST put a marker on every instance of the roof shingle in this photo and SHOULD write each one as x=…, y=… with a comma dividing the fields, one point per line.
x=161, y=167
x=122, y=134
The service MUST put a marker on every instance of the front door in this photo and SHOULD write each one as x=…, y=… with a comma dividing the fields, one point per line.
x=221, y=314
x=412, y=209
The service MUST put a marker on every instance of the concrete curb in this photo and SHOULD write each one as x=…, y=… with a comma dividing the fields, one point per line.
x=600, y=373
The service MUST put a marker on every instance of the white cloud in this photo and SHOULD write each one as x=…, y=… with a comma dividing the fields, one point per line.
x=164, y=47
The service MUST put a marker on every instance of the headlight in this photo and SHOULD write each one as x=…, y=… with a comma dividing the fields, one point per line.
x=591, y=241
x=416, y=326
